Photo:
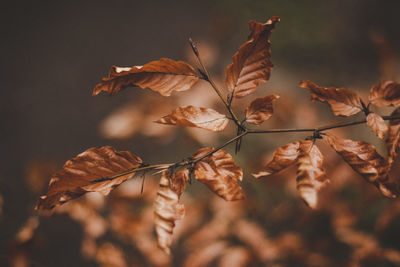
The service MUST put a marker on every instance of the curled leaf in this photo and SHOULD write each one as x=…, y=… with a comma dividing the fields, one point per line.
x=377, y=124
x=179, y=180
x=365, y=160
x=311, y=177
x=342, y=101
x=393, y=138
x=252, y=63
x=205, y=118
x=219, y=173
x=163, y=76
x=260, y=109
x=385, y=94
x=167, y=210
x=77, y=174
x=284, y=157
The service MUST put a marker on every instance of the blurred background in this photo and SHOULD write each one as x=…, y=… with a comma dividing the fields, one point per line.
x=55, y=52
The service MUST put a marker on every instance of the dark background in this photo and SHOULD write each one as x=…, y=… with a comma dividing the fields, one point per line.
x=54, y=52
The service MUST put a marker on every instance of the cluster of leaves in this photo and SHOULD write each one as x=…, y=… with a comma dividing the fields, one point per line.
x=103, y=169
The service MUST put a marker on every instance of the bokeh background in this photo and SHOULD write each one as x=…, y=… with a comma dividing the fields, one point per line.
x=55, y=52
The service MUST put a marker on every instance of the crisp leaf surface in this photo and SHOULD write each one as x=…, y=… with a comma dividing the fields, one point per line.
x=76, y=175
x=342, y=101
x=385, y=94
x=190, y=116
x=260, y=109
x=219, y=173
x=167, y=210
x=163, y=76
x=252, y=63
x=311, y=177
x=377, y=124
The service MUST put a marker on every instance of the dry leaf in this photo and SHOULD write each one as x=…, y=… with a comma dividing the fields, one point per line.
x=377, y=124
x=252, y=63
x=205, y=118
x=283, y=157
x=163, y=76
x=166, y=211
x=385, y=94
x=76, y=175
x=260, y=109
x=219, y=173
x=179, y=180
x=342, y=101
x=311, y=177
x=393, y=138
x=365, y=160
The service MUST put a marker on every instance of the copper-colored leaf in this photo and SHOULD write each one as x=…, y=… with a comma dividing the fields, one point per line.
x=179, y=180
x=311, y=176
x=385, y=94
x=342, y=101
x=163, y=76
x=205, y=118
x=377, y=124
x=167, y=210
x=219, y=173
x=365, y=160
x=260, y=109
x=393, y=138
x=283, y=157
x=76, y=175
x=252, y=63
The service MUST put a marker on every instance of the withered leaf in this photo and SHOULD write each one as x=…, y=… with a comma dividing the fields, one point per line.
x=205, y=118
x=283, y=157
x=393, y=138
x=385, y=94
x=163, y=76
x=167, y=210
x=260, y=109
x=219, y=173
x=252, y=63
x=365, y=160
x=179, y=180
x=311, y=177
x=76, y=175
x=377, y=124
x=342, y=101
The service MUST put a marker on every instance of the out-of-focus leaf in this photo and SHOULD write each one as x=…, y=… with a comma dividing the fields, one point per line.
x=365, y=160
x=167, y=210
x=284, y=157
x=219, y=173
x=385, y=94
x=76, y=175
x=252, y=63
x=163, y=76
x=342, y=101
x=260, y=109
x=393, y=138
x=377, y=124
x=205, y=118
x=311, y=177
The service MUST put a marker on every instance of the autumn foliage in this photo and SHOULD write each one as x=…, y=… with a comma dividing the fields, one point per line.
x=103, y=169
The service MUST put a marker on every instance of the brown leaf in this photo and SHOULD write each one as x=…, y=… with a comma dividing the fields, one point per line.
x=219, y=173
x=260, y=109
x=205, y=118
x=76, y=175
x=252, y=63
x=393, y=138
x=342, y=101
x=311, y=176
x=365, y=160
x=283, y=157
x=179, y=180
x=385, y=94
x=166, y=211
x=377, y=124
x=163, y=76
